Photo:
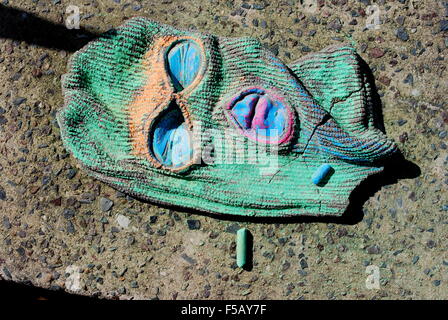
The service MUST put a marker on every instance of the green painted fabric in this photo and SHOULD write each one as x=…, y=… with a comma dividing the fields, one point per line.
x=117, y=89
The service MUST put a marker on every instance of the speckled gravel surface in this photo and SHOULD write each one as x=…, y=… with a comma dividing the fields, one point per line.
x=63, y=230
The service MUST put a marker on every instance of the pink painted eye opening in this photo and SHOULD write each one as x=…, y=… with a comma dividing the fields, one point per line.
x=261, y=116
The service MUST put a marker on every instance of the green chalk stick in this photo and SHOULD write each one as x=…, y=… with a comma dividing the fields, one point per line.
x=241, y=247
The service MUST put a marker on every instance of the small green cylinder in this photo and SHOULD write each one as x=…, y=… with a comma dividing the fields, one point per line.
x=241, y=247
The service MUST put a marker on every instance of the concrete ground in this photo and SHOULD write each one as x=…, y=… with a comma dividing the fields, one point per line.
x=63, y=230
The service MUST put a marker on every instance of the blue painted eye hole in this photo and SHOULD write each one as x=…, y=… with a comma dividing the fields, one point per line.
x=183, y=62
x=260, y=116
x=170, y=141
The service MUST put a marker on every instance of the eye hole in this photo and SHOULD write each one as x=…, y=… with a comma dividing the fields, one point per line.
x=184, y=61
x=260, y=116
x=171, y=141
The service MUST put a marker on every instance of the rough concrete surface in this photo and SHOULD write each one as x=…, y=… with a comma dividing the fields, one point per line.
x=63, y=230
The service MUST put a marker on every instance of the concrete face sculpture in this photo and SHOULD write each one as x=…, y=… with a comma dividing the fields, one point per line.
x=147, y=107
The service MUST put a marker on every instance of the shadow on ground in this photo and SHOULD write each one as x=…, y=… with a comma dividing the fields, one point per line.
x=24, y=292
x=23, y=26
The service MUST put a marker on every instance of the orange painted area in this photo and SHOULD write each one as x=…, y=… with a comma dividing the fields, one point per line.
x=154, y=96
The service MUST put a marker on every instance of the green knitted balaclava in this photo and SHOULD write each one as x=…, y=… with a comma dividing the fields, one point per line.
x=221, y=125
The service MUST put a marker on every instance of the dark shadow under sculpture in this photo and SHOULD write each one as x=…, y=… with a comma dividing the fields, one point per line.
x=19, y=25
